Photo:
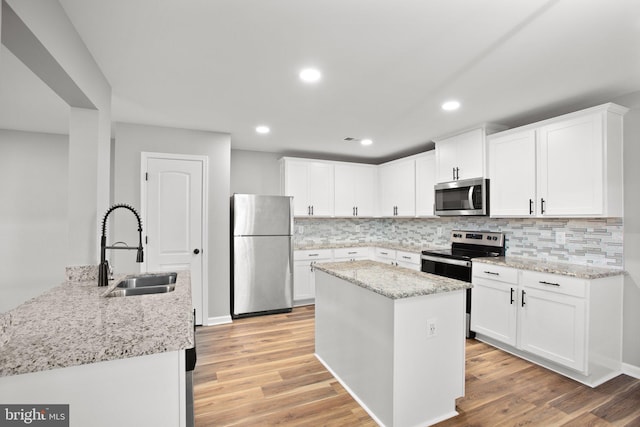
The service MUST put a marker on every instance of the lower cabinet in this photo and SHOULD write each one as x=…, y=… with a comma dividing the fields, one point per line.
x=304, y=289
x=570, y=325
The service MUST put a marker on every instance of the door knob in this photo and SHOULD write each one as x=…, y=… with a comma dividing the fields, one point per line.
x=196, y=251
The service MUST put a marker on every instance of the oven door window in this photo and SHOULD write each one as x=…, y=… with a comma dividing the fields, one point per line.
x=447, y=270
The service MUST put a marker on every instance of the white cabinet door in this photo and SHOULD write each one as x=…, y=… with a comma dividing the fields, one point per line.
x=397, y=188
x=553, y=326
x=461, y=156
x=494, y=309
x=425, y=181
x=512, y=171
x=570, y=167
x=304, y=289
x=311, y=185
x=354, y=190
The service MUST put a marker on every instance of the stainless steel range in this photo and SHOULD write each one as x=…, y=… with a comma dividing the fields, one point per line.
x=455, y=262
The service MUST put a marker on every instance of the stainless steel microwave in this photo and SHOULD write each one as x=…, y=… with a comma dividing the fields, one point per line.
x=463, y=197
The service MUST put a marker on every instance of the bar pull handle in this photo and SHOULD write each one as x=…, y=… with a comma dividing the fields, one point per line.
x=454, y=173
x=522, y=302
x=542, y=206
x=512, y=300
x=492, y=273
x=548, y=283
x=457, y=173
x=530, y=206
x=356, y=211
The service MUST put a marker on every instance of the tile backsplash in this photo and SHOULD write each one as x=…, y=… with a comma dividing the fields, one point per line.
x=592, y=241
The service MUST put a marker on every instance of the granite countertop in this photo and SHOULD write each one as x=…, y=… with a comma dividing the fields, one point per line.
x=386, y=245
x=391, y=281
x=75, y=324
x=565, y=269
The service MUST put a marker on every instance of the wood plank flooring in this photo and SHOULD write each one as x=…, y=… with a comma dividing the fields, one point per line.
x=261, y=371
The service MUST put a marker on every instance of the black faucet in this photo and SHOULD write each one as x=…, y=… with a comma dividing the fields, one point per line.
x=103, y=268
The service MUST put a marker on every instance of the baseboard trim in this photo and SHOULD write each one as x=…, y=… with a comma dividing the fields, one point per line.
x=218, y=320
x=631, y=370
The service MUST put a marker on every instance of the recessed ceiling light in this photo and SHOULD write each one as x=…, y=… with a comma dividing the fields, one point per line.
x=451, y=105
x=366, y=142
x=310, y=75
x=263, y=129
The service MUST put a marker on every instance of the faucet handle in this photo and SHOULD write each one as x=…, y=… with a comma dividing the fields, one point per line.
x=109, y=268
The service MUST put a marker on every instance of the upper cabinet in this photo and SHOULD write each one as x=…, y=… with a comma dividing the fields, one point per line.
x=561, y=167
x=425, y=181
x=311, y=185
x=397, y=188
x=462, y=156
x=355, y=191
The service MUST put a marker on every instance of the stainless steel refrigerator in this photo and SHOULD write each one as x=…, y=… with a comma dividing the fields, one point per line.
x=262, y=254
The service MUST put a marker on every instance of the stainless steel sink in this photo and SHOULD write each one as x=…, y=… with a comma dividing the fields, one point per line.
x=145, y=280
x=145, y=284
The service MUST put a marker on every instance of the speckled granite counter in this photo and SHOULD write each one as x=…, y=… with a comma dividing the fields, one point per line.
x=391, y=281
x=573, y=270
x=74, y=324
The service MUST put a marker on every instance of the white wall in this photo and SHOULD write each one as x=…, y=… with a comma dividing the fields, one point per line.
x=254, y=172
x=130, y=141
x=33, y=214
x=631, y=320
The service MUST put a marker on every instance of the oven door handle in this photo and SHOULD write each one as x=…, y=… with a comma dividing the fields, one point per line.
x=459, y=262
x=471, y=197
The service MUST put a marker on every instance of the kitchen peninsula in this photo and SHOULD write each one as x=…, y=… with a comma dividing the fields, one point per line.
x=113, y=360
x=394, y=338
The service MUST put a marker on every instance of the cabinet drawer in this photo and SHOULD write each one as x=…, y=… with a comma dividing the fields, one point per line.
x=348, y=253
x=408, y=257
x=495, y=272
x=386, y=253
x=312, y=254
x=555, y=283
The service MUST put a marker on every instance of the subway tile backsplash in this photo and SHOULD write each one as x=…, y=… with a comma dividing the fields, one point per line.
x=590, y=241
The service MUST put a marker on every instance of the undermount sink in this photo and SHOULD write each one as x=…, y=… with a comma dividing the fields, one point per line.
x=145, y=280
x=144, y=284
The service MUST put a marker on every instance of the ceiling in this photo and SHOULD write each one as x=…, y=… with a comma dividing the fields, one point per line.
x=387, y=66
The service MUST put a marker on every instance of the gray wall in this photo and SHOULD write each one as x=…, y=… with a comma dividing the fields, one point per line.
x=253, y=172
x=33, y=214
x=130, y=141
x=631, y=334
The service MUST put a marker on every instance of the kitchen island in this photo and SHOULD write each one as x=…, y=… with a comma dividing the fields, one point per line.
x=394, y=338
x=114, y=360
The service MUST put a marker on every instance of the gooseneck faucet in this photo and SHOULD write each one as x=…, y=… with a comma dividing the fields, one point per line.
x=103, y=268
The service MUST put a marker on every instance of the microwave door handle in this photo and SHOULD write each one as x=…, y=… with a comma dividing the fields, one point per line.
x=471, y=197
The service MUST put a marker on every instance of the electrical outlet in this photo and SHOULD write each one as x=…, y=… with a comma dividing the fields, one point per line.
x=432, y=328
x=560, y=237
x=300, y=229
x=357, y=228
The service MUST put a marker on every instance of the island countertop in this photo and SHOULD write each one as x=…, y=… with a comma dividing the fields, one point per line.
x=75, y=324
x=391, y=281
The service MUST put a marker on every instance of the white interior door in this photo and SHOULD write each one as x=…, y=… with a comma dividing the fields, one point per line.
x=174, y=218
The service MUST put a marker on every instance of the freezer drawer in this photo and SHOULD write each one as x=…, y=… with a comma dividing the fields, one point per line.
x=262, y=274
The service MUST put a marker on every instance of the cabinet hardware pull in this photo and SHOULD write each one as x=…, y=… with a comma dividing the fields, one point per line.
x=548, y=283
x=356, y=211
x=530, y=206
x=512, y=300
x=353, y=211
x=491, y=272
x=314, y=255
x=457, y=173
x=406, y=257
x=542, y=206
x=523, y=294
x=309, y=210
x=351, y=253
x=384, y=253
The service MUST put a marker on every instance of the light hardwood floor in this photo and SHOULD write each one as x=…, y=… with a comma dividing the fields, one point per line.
x=261, y=371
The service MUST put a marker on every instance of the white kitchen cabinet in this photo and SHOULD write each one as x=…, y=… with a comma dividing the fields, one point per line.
x=494, y=305
x=425, y=181
x=351, y=254
x=355, y=191
x=388, y=256
x=567, y=324
x=512, y=173
x=310, y=182
x=463, y=156
x=303, y=277
x=576, y=169
x=397, y=187
x=410, y=260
